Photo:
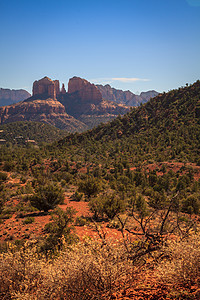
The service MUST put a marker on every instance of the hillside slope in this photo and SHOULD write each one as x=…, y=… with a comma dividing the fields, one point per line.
x=48, y=111
x=166, y=127
x=39, y=132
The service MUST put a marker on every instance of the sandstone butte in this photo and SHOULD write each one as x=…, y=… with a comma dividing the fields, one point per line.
x=86, y=91
x=85, y=99
x=48, y=111
x=47, y=88
x=57, y=107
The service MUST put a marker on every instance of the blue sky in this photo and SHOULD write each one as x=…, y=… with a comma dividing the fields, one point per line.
x=131, y=44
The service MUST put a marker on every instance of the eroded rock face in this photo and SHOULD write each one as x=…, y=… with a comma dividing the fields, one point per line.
x=51, y=105
x=125, y=97
x=84, y=98
x=86, y=91
x=47, y=88
x=47, y=111
x=63, y=90
x=8, y=96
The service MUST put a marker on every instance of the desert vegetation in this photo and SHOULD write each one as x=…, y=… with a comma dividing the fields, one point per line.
x=138, y=179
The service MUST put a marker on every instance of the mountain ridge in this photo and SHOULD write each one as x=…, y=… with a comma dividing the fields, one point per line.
x=125, y=97
x=165, y=127
x=82, y=107
x=11, y=96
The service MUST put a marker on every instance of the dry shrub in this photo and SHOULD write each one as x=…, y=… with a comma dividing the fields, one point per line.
x=183, y=263
x=20, y=272
x=83, y=271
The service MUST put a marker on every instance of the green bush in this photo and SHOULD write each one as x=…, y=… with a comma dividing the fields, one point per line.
x=90, y=186
x=47, y=197
x=1, y=205
x=191, y=204
x=81, y=221
x=77, y=196
x=59, y=230
x=3, y=176
x=28, y=220
x=8, y=166
x=108, y=204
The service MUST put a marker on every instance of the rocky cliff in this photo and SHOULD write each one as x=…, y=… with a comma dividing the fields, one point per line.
x=84, y=90
x=84, y=98
x=88, y=103
x=125, y=97
x=8, y=96
x=46, y=88
x=47, y=111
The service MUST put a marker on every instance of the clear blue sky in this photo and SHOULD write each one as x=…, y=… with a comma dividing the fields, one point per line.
x=132, y=44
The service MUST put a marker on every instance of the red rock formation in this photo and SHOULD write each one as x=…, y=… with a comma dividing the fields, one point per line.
x=47, y=111
x=63, y=90
x=57, y=87
x=86, y=91
x=125, y=97
x=8, y=96
x=47, y=87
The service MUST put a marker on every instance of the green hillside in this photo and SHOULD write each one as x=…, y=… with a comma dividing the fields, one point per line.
x=39, y=132
x=167, y=127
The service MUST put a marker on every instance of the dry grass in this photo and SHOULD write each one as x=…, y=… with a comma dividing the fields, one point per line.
x=85, y=271
x=91, y=270
x=182, y=266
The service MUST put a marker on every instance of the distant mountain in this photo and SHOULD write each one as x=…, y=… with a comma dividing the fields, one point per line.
x=47, y=111
x=28, y=132
x=83, y=107
x=125, y=97
x=8, y=96
x=85, y=102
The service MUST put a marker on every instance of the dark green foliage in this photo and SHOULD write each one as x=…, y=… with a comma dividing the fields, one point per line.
x=28, y=220
x=81, y=221
x=3, y=176
x=40, y=132
x=90, y=186
x=96, y=207
x=157, y=200
x=140, y=206
x=191, y=204
x=109, y=204
x=8, y=166
x=59, y=230
x=47, y=197
x=132, y=154
x=1, y=204
x=77, y=196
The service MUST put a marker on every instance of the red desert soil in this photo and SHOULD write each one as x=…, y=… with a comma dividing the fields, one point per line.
x=143, y=286
x=14, y=227
x=176, y=166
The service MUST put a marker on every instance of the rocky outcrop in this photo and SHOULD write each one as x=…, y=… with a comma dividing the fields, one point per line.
x=63, y=90
x=46, y=88
x=125, y=97
x=47, y=111
x=8, y=96
x=84, y=90
x=83, y=103
x=146, y=96
x=51, y=105
x=84, y=98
